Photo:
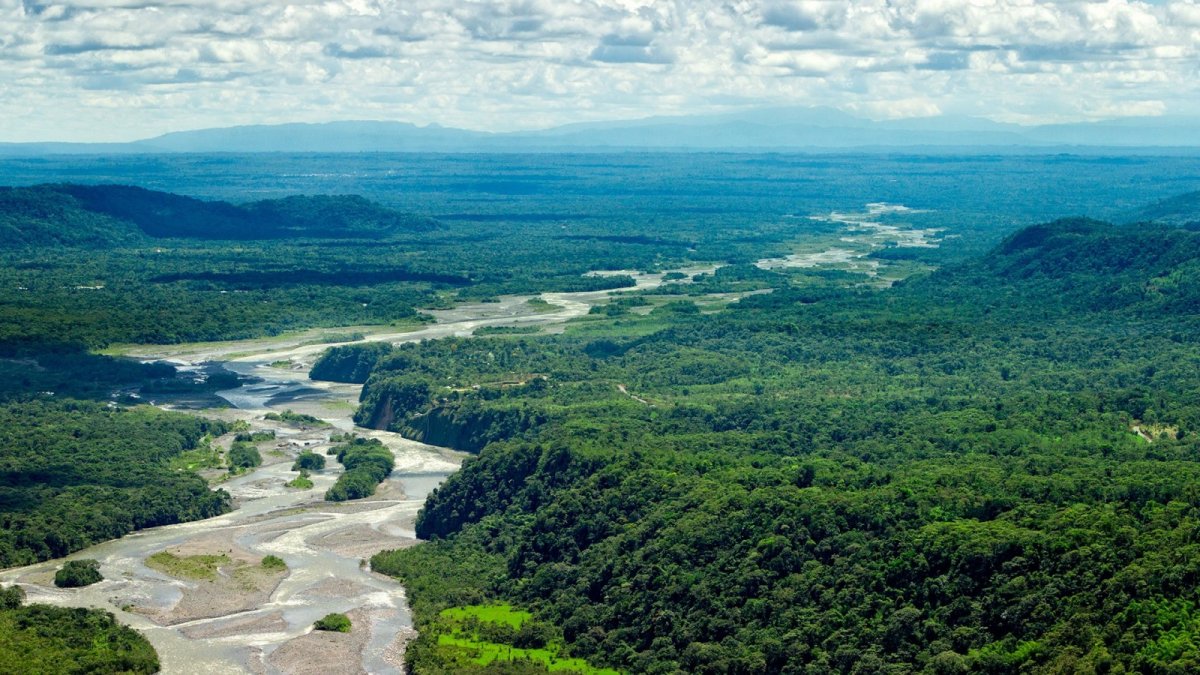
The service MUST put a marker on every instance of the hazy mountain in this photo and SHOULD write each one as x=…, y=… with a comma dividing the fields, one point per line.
x=105, y=215
x=329, y=137
x=766, y=129
x=1181, y=210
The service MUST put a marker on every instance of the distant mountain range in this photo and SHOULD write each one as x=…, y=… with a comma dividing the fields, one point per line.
x=762, y=130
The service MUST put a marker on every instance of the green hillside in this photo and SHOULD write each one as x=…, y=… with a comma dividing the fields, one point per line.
x=1180, y=210
x=1084, y=265
x=106, y=215
x=989, y=469
x=43, y=216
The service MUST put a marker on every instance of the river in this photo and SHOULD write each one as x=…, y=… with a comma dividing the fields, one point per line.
x=221, y=627
x=247, y=622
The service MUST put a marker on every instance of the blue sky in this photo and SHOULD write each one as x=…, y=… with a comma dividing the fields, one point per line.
x=125, y=69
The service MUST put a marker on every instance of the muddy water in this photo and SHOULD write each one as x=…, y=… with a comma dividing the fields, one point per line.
x=324, y=545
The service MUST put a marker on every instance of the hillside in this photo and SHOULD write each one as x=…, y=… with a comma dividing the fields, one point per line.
x=106, y=215
x=1081, y=265
x=946, y=477
x=43, y=216
x=1182, y=210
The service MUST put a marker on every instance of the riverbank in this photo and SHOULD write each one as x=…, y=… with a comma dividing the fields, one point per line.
x=237, y=623
x=220, y=628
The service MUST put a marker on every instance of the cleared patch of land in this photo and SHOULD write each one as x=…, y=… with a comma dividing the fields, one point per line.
x=220, y=579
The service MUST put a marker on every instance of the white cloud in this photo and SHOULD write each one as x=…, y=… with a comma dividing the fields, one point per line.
x=121, y=69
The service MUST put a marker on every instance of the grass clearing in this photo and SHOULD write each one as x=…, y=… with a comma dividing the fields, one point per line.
x=465, y=632
x=198, y=567
x=501, y=614
x=300, y=483
x=204, y=456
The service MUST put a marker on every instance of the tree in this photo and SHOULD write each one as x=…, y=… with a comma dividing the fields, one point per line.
x=308, y=461
x=11, y=597
x=77, y=573
x=338, y=623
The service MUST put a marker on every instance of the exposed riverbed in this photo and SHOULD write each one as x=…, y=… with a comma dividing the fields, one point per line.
x=264, y=625
x=261, y=623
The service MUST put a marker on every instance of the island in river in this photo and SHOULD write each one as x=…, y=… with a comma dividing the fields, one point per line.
x=218, y=611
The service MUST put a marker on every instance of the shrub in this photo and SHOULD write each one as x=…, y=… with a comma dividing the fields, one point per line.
x=77, y=573
x=338, y=623
x=244, y=456
x=308, y=461
x=11, y=597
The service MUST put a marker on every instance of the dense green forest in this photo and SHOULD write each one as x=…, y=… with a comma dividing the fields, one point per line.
x=366, y=462
x=98, y=264
x=99, y=215
x=44, y=639
x=95, y=265
x=988, y=469
x=75, y=473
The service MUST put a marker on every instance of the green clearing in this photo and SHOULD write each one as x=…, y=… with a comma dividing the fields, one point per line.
x=501, y=614
x=198, y=567
x=469, y=633
x=301, y=482
x=204, y=456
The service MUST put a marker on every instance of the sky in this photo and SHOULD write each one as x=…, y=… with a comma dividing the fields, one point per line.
x=114, y=70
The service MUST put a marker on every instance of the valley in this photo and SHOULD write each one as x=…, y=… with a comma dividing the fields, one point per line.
x=218, y=625
x=606, y=337
x=795, y=431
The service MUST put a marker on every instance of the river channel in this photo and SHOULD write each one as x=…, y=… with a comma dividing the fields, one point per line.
x=246, y=624
x=247, y=621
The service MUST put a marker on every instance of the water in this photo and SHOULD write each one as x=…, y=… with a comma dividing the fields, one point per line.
x=198, y=627
x=324, y=545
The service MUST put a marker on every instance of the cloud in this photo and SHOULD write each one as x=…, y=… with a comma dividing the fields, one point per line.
x=350, y=52
x=804, y=16
x=616, y=48
x=118, y=69
x=96, y=45
x=946, y=61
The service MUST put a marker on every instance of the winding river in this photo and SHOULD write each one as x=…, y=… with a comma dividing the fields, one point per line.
x=248, y=621
x=218, y=627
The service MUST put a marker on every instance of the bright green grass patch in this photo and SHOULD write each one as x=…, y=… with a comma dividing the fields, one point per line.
x=503, y=614
x=199, y=567
x=484, y=653
x=481, y=635
x=300, y=483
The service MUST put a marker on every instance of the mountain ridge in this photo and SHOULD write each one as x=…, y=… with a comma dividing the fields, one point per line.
x=102, y=215
x=758, y=130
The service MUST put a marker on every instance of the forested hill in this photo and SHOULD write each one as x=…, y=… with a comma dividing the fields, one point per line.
x=41, y=216
x=984, y=470
x=1179, y=210
x=1080, y=265
x=101, y=215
